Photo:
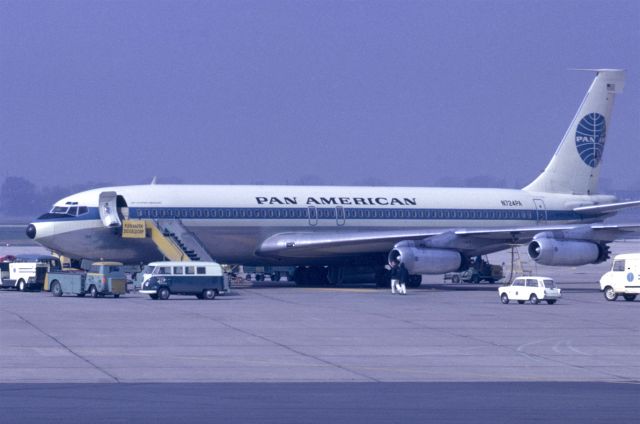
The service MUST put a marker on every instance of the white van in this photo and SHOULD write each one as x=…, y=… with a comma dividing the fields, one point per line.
x=624, y=278
x=27, y=272
x=205, y=280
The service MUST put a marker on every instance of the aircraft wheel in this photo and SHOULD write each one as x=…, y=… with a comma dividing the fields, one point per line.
x=414, y=281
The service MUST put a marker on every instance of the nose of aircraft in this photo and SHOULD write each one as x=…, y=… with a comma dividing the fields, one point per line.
x=31, y=231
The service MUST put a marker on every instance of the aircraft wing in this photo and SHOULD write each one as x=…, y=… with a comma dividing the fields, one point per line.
x=469, y=241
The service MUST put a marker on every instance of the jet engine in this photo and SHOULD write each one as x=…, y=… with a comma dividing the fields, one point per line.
x=550, y=251
x=426, y=261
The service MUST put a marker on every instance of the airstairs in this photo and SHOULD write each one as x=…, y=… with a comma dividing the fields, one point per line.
x=172, y=239
x=184, y=239
x=519, y=267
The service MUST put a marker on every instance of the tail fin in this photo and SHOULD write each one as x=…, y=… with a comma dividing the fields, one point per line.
x=575, y=167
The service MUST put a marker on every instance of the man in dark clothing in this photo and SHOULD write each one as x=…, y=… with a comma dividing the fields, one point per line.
x=395, y=276
x=404, y=278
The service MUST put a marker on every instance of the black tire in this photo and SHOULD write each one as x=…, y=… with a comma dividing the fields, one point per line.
x=275, y=277
x=504, y=298
x=610, y=294
x=116, y=296
x=209, y=294
x=534, y=299
x=22, y=286
x=475, y=279
x=93, y=291
x=163, y=293
x=56, y=290
x=80, y=294
x=414, y=281
x=200, y=296
x=629, y=297
x=551, y=301
x=521, y=302
x=455, y=279
x=153, y=296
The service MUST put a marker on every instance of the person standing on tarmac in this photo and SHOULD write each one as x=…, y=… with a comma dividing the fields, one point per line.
x=404, y=277
x=395, y=277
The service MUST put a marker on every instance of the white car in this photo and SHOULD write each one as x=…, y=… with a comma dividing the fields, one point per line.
x=532, y=289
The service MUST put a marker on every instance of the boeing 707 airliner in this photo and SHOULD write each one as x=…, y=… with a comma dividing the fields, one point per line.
x=359, y=229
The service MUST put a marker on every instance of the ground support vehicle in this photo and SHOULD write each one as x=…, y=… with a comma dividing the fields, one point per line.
x=623, y=278
x=532, y=289
x=479, y=270
x=103, y=278
x=274, y=272
x=205, y=280
x=27, y=272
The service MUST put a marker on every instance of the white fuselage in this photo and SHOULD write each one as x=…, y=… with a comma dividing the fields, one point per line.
x=232, y=221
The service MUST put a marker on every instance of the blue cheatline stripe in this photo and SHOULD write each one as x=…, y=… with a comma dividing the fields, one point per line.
x=333, y=213
x=330, y=213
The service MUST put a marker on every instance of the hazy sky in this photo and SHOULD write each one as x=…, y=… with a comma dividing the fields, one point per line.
x=339, y=92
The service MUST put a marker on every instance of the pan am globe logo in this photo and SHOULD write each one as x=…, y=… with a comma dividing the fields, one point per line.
x=590, y=138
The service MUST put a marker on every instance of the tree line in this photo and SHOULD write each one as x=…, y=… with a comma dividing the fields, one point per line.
x=21, y=198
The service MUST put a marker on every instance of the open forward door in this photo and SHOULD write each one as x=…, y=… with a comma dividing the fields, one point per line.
x=109, y=209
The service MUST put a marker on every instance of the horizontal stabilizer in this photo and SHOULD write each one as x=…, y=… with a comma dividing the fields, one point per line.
x=610, y=207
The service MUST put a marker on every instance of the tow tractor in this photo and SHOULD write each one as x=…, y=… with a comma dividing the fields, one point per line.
x=479, y=270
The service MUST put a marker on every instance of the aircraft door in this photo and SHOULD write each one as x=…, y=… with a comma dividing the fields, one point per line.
x=313, y=215
x=340, y=215
x=108, y=206
x=541, y=211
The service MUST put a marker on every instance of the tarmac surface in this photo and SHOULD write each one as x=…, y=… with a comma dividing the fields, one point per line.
x=279, y=353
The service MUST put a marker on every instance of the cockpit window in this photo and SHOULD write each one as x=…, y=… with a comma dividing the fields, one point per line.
x=60, y=209
x=69, y=210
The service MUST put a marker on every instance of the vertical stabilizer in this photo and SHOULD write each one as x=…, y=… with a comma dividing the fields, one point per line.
x=575, y=167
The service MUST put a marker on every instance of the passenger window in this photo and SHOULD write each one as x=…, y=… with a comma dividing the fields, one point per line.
x=177, y=270
x=164, y=270
x=618, y=265
x=189, y=270
x=549, y=284
x=201, y=270
x=519, y=283
x=532, y=283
